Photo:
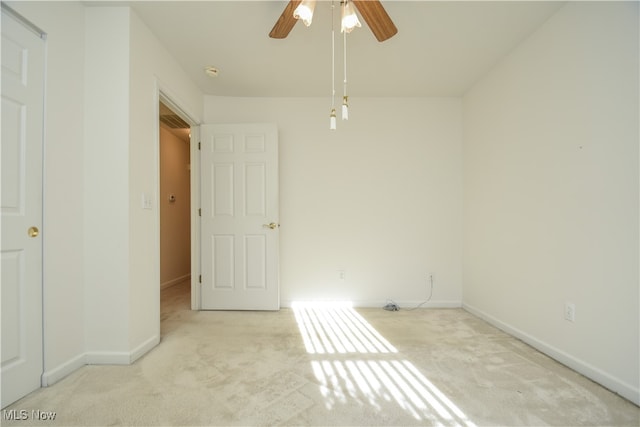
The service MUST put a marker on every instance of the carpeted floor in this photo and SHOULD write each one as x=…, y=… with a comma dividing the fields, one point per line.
x=329, y=366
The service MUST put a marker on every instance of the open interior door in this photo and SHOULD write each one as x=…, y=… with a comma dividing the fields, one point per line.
x=239, y=223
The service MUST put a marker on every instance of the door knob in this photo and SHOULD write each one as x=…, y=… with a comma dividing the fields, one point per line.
x=33, y=232
x=272, y=225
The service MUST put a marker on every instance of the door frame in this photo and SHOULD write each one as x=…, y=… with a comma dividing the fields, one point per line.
x=194, y=158
x=168, y=97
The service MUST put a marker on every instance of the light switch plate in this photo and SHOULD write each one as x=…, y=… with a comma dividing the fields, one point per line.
x=146, y=201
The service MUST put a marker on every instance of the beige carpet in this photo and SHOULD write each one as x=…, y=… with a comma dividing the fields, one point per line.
x=328, y=366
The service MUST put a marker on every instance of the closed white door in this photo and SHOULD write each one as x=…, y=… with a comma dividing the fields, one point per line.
x=239, y=224
x=21, y=207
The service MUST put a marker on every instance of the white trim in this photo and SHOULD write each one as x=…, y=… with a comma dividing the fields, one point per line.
x=616, y=385
x=24, y=21
x=167, y=99
x=54, y=375
x=143, y=348
x=107, y=358
x=175, y=281
x=172, y=100
x=194, y=157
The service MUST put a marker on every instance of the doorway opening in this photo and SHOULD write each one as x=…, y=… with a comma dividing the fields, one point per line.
x=174, y=203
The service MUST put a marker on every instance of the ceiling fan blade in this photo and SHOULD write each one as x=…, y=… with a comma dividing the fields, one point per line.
x=285, y=23
x=376, y=18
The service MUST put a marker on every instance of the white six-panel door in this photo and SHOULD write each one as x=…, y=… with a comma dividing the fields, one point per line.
x=21, y=207
x=239, y=222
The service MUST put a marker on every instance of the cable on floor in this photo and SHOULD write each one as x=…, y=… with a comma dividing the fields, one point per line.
x=392, y=306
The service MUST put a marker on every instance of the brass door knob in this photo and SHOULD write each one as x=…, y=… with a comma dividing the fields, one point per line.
x=272, y=225
x=33, y=231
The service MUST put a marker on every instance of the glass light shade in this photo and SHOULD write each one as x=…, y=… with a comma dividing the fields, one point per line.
x=349, y=17
x=304, y=11
x=345, y=108
x=332, y=119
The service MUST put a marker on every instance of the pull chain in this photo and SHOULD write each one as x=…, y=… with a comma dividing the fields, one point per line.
x=345, y=98
x=332, y=115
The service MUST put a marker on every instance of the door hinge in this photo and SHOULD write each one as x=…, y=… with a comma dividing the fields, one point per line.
x=200, y=279
x=199, y=145
x=199, y=211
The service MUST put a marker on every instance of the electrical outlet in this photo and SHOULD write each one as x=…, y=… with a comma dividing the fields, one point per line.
x=570, y=311
x=342, y=275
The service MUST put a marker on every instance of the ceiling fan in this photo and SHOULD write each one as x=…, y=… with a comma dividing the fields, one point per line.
x=371, y=10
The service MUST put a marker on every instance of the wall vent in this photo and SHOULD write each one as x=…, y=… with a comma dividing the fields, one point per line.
x=171, y=119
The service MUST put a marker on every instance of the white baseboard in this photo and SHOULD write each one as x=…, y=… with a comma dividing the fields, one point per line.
x=175, y=281
x=616, y=385
x=144, y=348
x=54, y=375
x=381, y=303
x=107, y=358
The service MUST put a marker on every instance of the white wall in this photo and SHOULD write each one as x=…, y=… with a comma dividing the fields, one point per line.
x=551, y=192
x=63, y=234
x=380, y=197
x=101, y=249
x=126, y=67
x=107, y=252
x=152, y=69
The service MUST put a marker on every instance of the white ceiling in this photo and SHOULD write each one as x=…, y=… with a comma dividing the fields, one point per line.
x=441, y=49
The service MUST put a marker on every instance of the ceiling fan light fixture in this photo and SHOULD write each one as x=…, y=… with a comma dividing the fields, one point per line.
x=349, y=18
x=304, y=11
x=332, y=119
x=345, y=107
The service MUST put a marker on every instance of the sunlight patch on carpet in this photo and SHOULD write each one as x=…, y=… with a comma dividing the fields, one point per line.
x=354, y=363
x=337, y=328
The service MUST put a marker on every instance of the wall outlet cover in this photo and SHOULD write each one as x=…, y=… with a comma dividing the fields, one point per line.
x=570, y=312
